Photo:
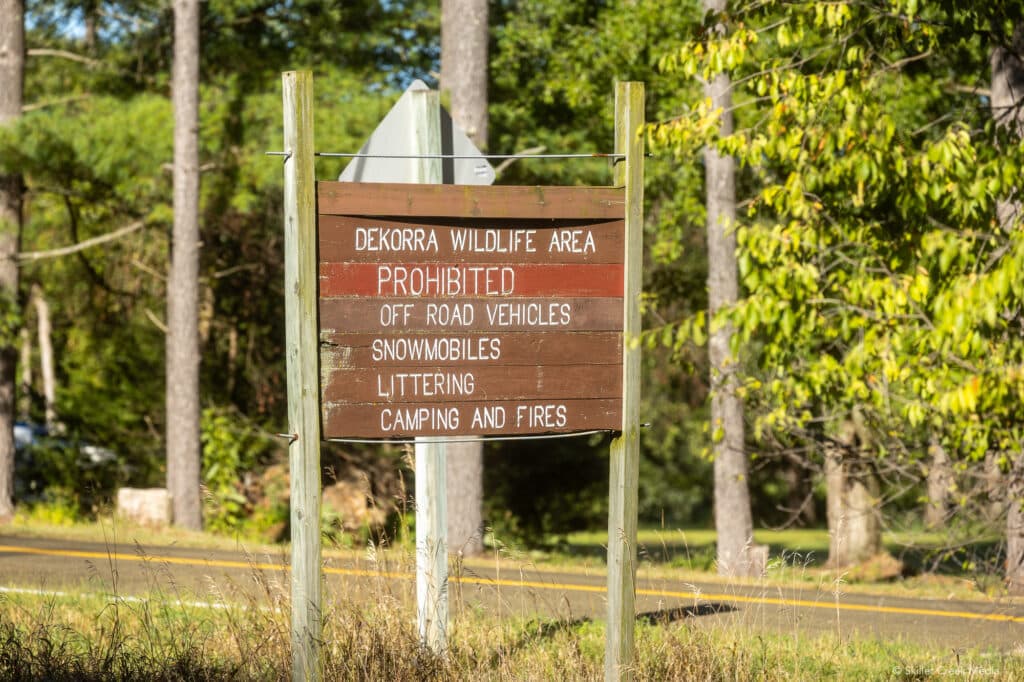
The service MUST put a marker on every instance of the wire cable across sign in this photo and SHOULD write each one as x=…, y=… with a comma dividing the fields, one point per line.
x=467, y=439
x=356, y=155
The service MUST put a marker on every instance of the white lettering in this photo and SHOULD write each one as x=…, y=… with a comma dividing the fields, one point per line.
x=444, y=349
x=534, y=314
x=445, y=280
x=410, y=420
x=383, y=239
x=393, y=313
x=450, y=314
x=424, y=384
x=493, y=240
x=488, y=418
x=572, y=241
x=542, y=416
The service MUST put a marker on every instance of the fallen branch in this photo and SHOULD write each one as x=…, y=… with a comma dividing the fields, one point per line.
x=31, y=256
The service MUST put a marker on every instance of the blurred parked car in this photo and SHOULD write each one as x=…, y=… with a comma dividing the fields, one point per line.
x=44, y=461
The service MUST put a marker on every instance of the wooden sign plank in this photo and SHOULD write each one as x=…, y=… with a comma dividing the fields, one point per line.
x=429, y=385
x=465, y=201
x=440, y=296
x=451, y=280
x=361, y=239
x=361, y=315
x=450, y=419
x=401, y=349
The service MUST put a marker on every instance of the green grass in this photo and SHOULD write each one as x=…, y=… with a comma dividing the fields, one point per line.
x=797, y=558
x=796, y=555
x=90, y=637
x=372, y=636
x=694, y=547
x=38, y=523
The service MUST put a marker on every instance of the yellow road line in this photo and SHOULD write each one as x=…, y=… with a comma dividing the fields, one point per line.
x=497, y=582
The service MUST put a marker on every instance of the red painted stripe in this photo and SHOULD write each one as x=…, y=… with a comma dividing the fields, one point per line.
x=460, y=280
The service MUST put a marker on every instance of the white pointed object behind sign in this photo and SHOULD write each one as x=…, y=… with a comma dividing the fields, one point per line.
x=393, y=137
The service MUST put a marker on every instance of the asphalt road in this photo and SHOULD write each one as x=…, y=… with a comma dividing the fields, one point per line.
x=504, y=588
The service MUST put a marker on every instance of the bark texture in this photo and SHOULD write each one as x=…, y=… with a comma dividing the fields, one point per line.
x=183, y=450
x=12, y=82
x=46, y=363
x=939, y=483
x=1007, y=66
x=852, y=487
x=464, y=64
x=1015, y=529
x=25, y=369
x=800, y=504
x=733, y=521
x=464, y=470
x=464, y=75
x=992, y=484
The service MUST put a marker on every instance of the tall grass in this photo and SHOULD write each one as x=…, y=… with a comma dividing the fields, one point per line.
x=241, y=632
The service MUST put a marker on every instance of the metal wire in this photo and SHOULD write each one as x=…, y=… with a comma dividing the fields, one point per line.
x=472, y=439
x=411, y=441
x=345, y=155
x=594, y=155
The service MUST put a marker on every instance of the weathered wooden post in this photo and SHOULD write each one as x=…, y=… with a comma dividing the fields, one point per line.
x=431, y=453
x=625, y=450
x=301, y=343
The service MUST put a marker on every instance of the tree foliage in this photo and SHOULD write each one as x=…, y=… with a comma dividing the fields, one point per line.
x=94, y=148
x=879, y=280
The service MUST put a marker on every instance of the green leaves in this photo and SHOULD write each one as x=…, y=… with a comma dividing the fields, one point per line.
x=230, y=448
x=877, y=274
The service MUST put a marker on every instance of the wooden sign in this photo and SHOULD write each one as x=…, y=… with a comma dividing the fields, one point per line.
x=452, y=310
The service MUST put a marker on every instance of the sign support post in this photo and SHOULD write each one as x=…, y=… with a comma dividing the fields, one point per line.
x=565, y=392
x=625, y=450
x=430, y=452
x=302, y=353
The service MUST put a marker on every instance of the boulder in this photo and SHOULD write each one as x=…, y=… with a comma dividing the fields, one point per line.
x=145, y=506
x=352, y=500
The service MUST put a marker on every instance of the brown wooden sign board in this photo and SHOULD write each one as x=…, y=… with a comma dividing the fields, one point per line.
x=456, y=310
x=348, y=239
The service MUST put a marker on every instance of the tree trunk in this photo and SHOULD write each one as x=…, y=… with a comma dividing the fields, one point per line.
x=854, y=523
x=800, y=504
x=91, y=15
x=464, y=471
x=232, y=358
x=46, y=364
x=12, y=87
x=1015, y=528
x=464, y=75
x=25, y=365
x=1007, y=67
x=994, y=497
x=939, y=484
x=1007, y=93
x=183, y=450
x=733, y=520
x=464, y=64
